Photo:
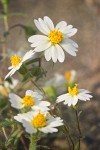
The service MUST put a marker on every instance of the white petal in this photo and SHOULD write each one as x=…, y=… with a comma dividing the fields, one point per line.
x=43, y=46
x=66, y=29
x=84, y=91
x=29, y=93
x=10, y=73
x=38, y=25
x=47, y=54
x=71, y=32
x=44, y=26
x=73, y=43
x=74, y=100
x=11, y=67
x=61, y=25
x=49, y=23
x=44, y=104
x=69, y=48
x=28, y=127
x=38, y=95
x=20, y=117
x=54, y=54
x=28, y=55
x=15, y=101
x=61, y=55
x=37, y=38
x=48, y=129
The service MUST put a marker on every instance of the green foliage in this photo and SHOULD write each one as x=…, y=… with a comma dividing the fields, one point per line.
x=51, y=92
x=5, y=5
x=6, y=123
x=28, y=30
x=14, y=138
x=3, y=103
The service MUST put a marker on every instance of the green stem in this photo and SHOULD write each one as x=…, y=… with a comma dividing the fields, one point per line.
x=32, y=145
x=78, y=125
x=6, y=23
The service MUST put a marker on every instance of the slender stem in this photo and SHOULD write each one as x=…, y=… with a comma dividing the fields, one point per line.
x=24, y=144
x=4, y=132
x=66, y=129
x=38, y=87
x=32, y=145
x=78, y=125
x=6, y=22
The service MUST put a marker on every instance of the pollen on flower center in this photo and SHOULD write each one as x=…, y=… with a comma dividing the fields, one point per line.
x=68, y=75
x=55, y=36
x=28, y=101
x=73, y=91
x=15, y=60
x=39, y=121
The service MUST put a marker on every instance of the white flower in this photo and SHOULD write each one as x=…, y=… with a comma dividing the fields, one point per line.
x=17, y=62
x=31, y=99
x=70, y=75
x=5, y=87
x=56, y=81
x=74, y=94
x=37, y=121
x=55, y=39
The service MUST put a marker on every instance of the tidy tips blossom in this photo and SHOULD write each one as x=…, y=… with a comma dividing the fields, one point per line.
x=55, y=39
x=74, y=94
x=32, y=99
x=70, y=75
x=16, y=62
x=5, y=87
x=38, y=121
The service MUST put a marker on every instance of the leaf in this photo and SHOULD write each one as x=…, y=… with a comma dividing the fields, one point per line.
x=6, y=123
x=22, y=70
x=51, y=92
x=79, y=113
x=26, y=76
x=12, y=138
x=29, y=30
x=3, y=103
x=32, y=61
x=37, y=72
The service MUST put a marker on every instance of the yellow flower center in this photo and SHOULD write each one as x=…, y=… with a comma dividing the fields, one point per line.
x=55, y=36
x=68, y=75
x=15, y=60
x=28, y=101
x=39, y=121
x=73, y=91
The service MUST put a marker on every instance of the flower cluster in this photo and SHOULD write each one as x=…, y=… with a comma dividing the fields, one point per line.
x=35, y=113
x=37, y=117
x=55, y=40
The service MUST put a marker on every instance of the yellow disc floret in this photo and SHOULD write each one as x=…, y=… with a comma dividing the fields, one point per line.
x=39, y=121
x=73, y=91
x=55, y=36
x=68, y=75
x=28, y=101
x=15, y=60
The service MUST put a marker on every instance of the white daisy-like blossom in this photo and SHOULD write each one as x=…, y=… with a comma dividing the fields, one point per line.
x=16, y=62
x=70, y=75
x=74, y=94
x=55, y=39
x=5, y=87
x=38, y=121
x=56, y=81
x=31, y=99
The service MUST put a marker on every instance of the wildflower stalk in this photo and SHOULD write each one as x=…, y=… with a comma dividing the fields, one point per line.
x=32, y=145
x=66, y=131
x=4, y=132
x=78, y=126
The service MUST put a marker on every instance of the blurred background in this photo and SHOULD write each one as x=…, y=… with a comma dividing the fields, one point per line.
x=85, y=16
